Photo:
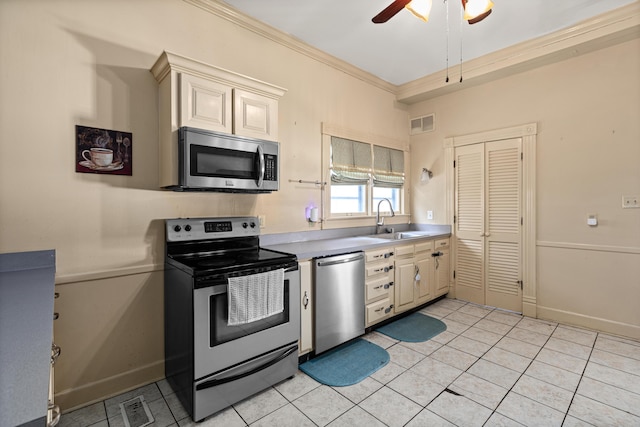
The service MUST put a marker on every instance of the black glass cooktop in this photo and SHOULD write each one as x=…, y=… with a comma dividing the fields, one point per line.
x=233, y=260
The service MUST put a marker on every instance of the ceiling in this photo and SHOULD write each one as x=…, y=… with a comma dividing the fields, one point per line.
x=406, y=48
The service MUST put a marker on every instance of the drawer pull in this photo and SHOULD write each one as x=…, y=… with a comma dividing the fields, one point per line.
x=385, y=286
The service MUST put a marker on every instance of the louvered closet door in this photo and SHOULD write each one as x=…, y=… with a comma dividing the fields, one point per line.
x=469, y=225
x=487, y=227
x=502, y=224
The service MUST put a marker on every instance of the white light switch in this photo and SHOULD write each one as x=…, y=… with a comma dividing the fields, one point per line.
x=429, y=214
x=592, y=220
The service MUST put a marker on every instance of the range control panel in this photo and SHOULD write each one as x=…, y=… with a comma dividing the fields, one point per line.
x=187, y=229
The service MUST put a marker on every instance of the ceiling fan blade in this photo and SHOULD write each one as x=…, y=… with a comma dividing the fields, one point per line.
x=480, y=17
x=390, y=11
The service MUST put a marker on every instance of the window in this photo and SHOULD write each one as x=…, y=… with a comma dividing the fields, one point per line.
x=388, y=176
x=363, y=174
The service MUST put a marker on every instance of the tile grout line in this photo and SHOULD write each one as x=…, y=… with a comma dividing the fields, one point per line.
x=581, y=376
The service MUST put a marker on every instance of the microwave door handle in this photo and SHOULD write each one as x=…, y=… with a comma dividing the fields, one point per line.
x=260, y=166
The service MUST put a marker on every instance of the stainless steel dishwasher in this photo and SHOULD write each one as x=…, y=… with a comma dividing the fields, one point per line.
x=339, y=299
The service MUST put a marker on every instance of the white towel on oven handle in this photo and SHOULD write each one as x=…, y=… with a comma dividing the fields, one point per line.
x=255, y=297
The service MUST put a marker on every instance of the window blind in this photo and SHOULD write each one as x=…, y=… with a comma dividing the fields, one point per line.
x=350, y=161
x=388, y=167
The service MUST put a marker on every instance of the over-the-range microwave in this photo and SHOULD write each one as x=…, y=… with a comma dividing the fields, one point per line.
x=212, y=161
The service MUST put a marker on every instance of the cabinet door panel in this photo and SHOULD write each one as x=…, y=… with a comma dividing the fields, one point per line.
x=424, y=268
x=205, y=104
x=255, y=115
x=442, y=272
x=306, y=308
x=404, y=285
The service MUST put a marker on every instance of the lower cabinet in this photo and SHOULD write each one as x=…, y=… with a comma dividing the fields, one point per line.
x=306, y=308
x=397, y=279
x=414, y=275
x=379, y=285
x=441, y=267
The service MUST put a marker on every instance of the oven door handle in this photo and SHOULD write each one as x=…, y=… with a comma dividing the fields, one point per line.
x=217, y=382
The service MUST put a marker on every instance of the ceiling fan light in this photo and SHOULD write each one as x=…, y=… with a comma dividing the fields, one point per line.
x=475, y=8
x=420, y=8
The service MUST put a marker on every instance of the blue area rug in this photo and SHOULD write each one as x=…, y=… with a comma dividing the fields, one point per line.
x=347, y=364
x=416, y=327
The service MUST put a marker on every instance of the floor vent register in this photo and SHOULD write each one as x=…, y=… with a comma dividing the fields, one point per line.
x=136, y=412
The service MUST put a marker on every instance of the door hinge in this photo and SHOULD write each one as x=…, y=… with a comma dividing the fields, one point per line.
x=454, y=163
x=454, y=219
x=454, y=274
x=521, y=283
x=521, y=156
x=521, y=221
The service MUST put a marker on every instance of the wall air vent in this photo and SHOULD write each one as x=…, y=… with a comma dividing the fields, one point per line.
x=423, y=124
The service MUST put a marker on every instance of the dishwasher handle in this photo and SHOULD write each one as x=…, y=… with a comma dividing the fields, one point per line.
x=341, y=261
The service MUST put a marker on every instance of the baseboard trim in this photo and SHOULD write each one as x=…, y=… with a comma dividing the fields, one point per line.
x=93, y=392
x=591, y=322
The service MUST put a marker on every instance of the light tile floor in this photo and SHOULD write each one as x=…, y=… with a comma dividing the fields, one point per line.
x=489, y=368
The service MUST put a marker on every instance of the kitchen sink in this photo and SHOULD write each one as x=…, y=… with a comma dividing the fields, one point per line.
x=402, y=235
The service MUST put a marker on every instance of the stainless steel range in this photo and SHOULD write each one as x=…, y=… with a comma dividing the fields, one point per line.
x=232, y=313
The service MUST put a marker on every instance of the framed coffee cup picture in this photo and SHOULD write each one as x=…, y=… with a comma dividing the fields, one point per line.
x=104, y=151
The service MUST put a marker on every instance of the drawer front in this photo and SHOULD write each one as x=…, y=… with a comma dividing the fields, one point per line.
x=379, y=311
x=377, y=288
x=402, y=251
x=442, y=243
x=379, y=269
x=380, y=254
x=424, y=247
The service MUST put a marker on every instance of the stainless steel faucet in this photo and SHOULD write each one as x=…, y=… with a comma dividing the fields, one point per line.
x=380, y=220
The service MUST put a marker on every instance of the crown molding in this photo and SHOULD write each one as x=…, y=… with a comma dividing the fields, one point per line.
x=607, y=29
x=224, y=11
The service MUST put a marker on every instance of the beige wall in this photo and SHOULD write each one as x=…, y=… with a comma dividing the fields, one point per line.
x=588, y=156
x=67, y=63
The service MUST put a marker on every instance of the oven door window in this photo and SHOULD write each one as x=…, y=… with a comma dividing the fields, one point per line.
x=221, y=332
x=223, y=162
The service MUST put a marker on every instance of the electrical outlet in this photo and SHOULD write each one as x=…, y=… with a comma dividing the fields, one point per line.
x=263, y=221
x=630, y=202
x=429, y=214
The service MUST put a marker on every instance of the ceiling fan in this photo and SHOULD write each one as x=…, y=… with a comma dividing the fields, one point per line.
x=474, y=10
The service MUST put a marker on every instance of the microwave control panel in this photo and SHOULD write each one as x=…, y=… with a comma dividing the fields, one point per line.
x=270, y=167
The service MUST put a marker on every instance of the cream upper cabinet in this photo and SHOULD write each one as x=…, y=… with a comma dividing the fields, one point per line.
x=205, y=104
x=254, y=115
x=195, y=94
